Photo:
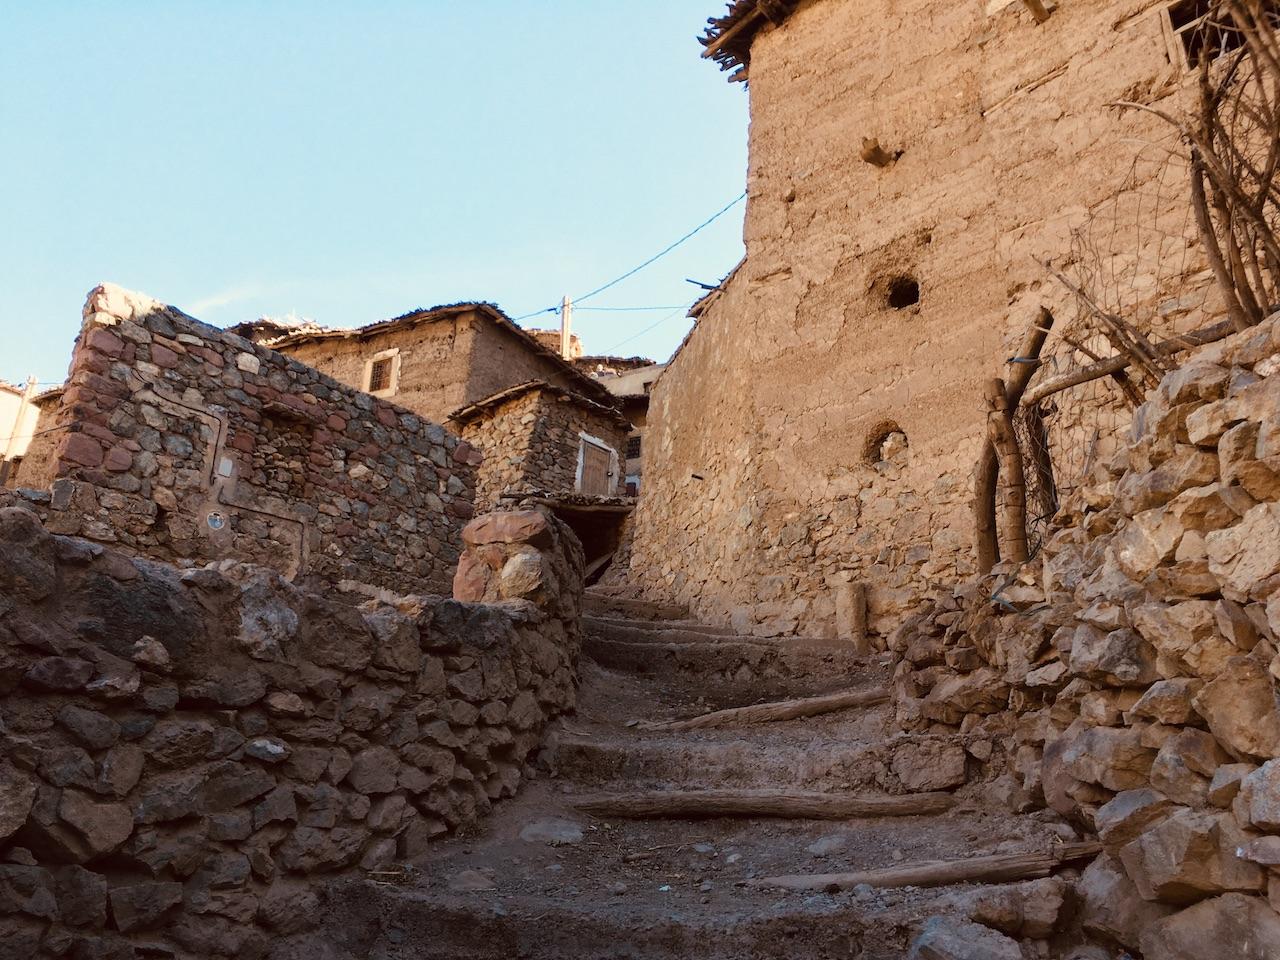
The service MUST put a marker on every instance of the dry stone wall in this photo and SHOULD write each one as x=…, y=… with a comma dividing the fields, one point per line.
x=186, y=755
x=178, y=441
x=1130, y=676
x=530, y=443
x=762, y=492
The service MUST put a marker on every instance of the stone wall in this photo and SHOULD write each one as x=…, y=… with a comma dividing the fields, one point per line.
x=1131, y=674
x=186, y=755
x=531, y=441
x=181, y=442
x=761, y=483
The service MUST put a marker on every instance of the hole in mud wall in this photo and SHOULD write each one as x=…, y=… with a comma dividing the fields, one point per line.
x=886, y=444
x=903, y=292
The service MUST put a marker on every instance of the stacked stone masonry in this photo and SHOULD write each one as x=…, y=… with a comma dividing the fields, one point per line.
x=1130, y=675
x=186, y=756
x=532, y=442
x=762, y=493
x=178, y=441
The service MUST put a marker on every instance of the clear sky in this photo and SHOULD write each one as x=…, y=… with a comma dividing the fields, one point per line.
x=347, y=162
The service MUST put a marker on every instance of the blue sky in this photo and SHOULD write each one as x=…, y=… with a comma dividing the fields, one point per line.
x=348, y=162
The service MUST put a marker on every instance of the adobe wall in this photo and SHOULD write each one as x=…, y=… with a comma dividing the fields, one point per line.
x=433, y=363
x=801, y=363
x=498, y=360
x=189, y=755
x=181, y=442
x=36, y=466
x=530, y=444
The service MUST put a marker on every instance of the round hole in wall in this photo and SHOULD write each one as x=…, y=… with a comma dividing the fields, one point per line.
x=903, y=292
x=886, y=443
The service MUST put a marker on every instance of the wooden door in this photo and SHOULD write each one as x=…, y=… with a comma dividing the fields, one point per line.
x=596, y=481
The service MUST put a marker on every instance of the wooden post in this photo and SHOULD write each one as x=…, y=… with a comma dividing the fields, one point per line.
x=987, y=471
x=851, y=615
x=566, y=327
x=1000, y=431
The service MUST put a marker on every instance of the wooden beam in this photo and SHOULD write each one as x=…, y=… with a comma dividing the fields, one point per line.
x=792, y=805
x=716, y=45
x=773, y=712
x=999, y=868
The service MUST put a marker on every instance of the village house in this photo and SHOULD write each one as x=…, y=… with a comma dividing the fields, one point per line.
x=912, y=167
x=25, y=413
x=547, y=429
x=630, y=380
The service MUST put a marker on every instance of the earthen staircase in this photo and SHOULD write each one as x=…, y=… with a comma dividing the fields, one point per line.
x=640, y=840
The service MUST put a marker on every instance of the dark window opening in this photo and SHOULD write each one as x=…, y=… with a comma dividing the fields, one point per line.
x=633, y=447
x=1205, y=30
x=903, y=292
x=380, y=375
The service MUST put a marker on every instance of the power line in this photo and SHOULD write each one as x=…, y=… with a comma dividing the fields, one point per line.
x=652, y=326
x=670, y=306
x=654, y=259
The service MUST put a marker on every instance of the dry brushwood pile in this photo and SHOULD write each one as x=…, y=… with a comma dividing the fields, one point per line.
x=1131, y=669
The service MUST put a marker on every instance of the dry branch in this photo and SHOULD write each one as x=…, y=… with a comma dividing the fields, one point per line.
x=790, y=805
x=771, y=712
x=1113, y=365
x=999, y=868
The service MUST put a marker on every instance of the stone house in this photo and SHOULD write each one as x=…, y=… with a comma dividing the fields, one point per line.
x=434, y=361
x=471, y=364
x=909, y=165
x=26, y=415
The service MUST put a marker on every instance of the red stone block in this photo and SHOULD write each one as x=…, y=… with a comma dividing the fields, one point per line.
x=241, y=440
x=117, y=460
x=386, y=416
x=95, y=427
x=104, y=341
x=82, y=450
x=336, y=423
x=162, y=356
x=346, y=529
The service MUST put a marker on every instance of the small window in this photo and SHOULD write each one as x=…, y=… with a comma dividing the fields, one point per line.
x=382, y=372
x=633, y=447
x=380, y=375
x=1203, y=29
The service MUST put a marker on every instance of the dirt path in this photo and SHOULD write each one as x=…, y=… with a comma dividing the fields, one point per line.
x=540, y=879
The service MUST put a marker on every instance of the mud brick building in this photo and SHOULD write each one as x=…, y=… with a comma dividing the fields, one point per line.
x=436, y=361
x=910, y=164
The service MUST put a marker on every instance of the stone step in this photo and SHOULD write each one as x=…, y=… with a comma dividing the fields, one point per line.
x=603, y=604
x=730, y=660
x=605, y=624
x=547, y=883
x=730, y=759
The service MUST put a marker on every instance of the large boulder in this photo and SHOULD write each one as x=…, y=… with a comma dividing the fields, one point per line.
x=1110, y=905
x=944, y=938
x=1230, y=927
x=1241, y=710
x=1189, y=856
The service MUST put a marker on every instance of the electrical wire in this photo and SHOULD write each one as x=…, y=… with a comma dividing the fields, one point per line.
x=670, y=306
x=654, y=259
x=652, y=326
